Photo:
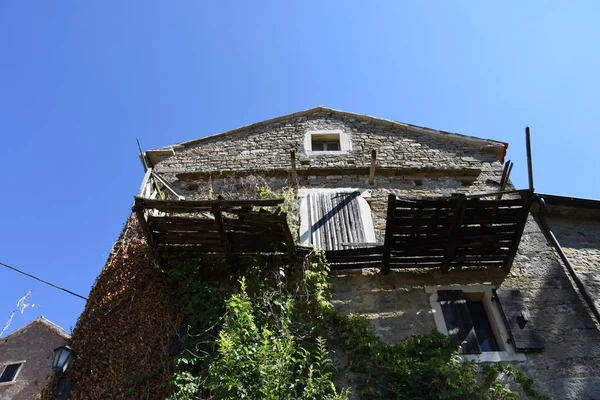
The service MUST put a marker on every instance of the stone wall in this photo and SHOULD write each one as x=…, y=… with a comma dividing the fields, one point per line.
x=398, y=306
x=423, y=166
x=578, y=232
x=197, y=165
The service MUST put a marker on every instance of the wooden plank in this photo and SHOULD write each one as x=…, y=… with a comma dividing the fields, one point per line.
x=216, y=210
x=337, y=267
x=141, y=216
x=358, y=251
x=348, y=259
x=416, y=260
x=453, y=233
x=167, y=205
x=389, y=237
x=167, y=186
x=426, y=244
x=519, y=232
x=466, y=231
x=145, y=183
x=477, y=203
x=420, y=229
x=372, y=169
x=420, y=204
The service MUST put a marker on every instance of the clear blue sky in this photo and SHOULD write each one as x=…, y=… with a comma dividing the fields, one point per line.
x=80, y=80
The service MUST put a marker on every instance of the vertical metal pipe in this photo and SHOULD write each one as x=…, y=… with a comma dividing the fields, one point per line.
x=529, y=166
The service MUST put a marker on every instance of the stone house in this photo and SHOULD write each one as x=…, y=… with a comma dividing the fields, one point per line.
x=26, y=359
x=414, y=227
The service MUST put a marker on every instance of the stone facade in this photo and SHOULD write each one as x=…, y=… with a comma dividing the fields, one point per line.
x=578, y=232
x=412, y=163
x=32, y=346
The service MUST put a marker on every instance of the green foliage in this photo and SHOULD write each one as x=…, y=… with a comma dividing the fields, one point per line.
x=258, y=363
x=264, y=339
x=290, y=204
x=421, y=367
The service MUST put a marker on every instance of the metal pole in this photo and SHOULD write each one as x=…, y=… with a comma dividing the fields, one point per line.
x=529, y=166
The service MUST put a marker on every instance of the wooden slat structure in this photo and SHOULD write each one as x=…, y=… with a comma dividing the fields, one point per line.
x=446, y=233
x=215, y=232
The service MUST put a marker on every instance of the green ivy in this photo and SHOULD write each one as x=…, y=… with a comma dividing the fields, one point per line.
x=263, y=337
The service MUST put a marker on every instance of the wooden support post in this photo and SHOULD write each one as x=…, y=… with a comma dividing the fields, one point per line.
x=505, y=176
x=514, y=245
x=389, y=234
x=141, y=216
x=529, y=165
x=289, y=238
x=145, y=183
x=216, y=210
x=373, y=164
x=454, y=232
x=294, y=172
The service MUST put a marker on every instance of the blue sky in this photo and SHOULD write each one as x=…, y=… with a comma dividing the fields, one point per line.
x=79, y=81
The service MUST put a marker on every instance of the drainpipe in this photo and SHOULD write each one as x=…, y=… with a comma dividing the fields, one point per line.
x=550, y=236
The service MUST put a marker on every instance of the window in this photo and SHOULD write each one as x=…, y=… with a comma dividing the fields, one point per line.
x=334, y=219
x=330, y=142
x=9, y=373
x=325, y=142
x=481, y=324
x=484, y=322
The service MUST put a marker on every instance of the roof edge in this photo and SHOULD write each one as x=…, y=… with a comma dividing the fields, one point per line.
x=497, y=147
x=47, y=323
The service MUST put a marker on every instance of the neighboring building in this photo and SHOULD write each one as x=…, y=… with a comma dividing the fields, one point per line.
x=26, y=359
x=410, y=220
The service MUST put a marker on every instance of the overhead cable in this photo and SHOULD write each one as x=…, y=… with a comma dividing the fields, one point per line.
x=43, y=281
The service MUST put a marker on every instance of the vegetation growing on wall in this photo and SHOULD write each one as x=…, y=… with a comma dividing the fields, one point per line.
x=268, y=340
x=265, y=332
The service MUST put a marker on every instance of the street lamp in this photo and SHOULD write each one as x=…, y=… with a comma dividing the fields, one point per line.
x=63, y=356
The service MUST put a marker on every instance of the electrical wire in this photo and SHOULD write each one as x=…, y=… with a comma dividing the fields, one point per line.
x=43, y=281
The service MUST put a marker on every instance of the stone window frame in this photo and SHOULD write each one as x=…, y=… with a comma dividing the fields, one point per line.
x=365, y=211
x=345, y=142
x=4, y=364
x=508, y=352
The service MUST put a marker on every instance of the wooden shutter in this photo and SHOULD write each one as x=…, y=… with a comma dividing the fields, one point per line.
x=458, y=321
x=335, y=219
x=518, y=321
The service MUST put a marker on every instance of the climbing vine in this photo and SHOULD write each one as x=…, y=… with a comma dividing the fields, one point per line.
x=268, y=336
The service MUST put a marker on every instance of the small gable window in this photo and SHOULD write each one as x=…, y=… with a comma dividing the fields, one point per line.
x=9, y=372
x=327, y=142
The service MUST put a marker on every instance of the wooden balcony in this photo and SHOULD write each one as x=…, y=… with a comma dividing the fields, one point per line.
x=445, y=233
x=215, y=232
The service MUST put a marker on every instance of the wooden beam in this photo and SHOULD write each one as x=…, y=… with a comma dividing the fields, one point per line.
x=216, y=210
x=294, y=172
x=167, y=186
x=141, y=216
x=514, y=246
x=505, y=177
x=168, y=205
x=289, y=238
x=145, y=182
x=453, y=233
x=389, y=235
x=373, y=164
